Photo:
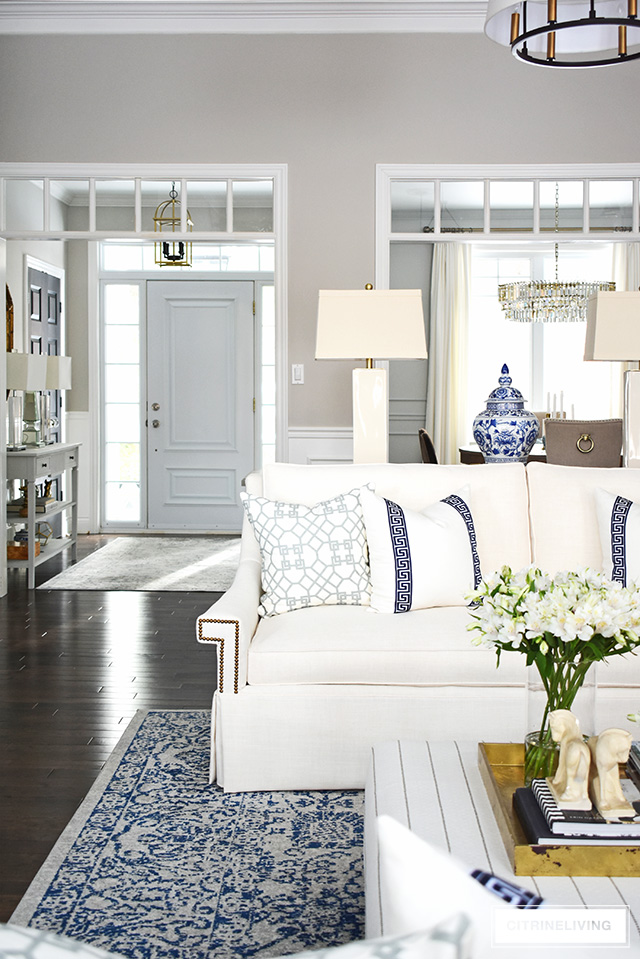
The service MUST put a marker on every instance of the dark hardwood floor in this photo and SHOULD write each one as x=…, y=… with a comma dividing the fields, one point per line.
x=74, y=668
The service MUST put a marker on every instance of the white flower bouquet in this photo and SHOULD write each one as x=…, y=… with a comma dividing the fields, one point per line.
x=562, y=624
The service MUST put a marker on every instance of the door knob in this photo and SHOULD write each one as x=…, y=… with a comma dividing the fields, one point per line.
x=155, y=406
x=155, y=424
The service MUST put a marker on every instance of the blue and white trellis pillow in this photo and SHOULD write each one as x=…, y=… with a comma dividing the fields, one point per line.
x=421, y=559
x=311, y=555
x=619, y=525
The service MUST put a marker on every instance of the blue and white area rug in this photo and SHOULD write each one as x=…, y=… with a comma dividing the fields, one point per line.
x=158, y=863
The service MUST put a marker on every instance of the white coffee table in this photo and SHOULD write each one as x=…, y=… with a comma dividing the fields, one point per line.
x=435, y=789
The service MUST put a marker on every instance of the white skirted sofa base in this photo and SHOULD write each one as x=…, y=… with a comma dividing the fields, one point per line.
x=301, y=697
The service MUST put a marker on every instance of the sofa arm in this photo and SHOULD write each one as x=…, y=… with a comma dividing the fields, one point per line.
x=230, y=624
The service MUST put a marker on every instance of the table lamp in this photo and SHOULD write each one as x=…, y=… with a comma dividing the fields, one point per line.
x=613, y=333
x=26, y=372
x=370, y=324
x=58, y=378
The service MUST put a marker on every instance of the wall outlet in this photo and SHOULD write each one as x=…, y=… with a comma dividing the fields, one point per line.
x=297, y=374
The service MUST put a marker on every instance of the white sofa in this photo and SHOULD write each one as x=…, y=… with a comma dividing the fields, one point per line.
x=301, y=697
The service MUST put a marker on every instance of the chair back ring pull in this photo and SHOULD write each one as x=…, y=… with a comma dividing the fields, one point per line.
x=585, y=443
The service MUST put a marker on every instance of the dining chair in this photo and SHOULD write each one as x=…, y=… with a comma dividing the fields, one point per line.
x=583, y=442
x=426, y=447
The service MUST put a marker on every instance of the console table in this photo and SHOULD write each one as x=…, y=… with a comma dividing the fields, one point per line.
x=36, y=464
x=436, y=790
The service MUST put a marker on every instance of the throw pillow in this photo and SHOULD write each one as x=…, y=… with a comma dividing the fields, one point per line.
x=450, y=939
x=420, y=559
x=421, y=885
x=311, y=556
x=619, y=526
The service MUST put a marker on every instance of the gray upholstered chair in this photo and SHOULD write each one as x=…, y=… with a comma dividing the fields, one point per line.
x=583, y=442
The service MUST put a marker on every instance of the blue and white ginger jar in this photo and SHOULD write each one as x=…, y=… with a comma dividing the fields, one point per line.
x=505, y=431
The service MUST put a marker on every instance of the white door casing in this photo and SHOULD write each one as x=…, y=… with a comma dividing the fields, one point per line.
x=200, y=402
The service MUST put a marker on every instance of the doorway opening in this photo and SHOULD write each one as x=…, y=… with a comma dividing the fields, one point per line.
x=188, y=384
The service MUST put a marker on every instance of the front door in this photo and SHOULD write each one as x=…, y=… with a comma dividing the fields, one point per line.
x=200, y=402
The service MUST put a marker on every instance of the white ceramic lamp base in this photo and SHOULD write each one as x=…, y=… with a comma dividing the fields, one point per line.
x=370, y=416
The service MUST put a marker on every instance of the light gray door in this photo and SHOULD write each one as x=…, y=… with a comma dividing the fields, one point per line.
x=200, y=402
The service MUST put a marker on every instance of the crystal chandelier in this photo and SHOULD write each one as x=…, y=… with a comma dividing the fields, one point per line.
x=549, y=301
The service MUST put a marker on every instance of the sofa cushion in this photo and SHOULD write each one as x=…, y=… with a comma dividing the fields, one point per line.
x=619, y=526
x=421, y=559
x=564, y=524
x=498, y=496
x=311, y=556
x=331, y=644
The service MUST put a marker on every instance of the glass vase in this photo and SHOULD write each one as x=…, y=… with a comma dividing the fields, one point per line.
x=571, y=687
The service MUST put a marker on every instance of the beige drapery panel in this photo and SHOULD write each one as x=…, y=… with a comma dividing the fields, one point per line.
x=448, y=338
x=626, y=275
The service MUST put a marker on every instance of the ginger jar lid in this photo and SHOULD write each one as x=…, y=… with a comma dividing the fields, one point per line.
x=505, y=395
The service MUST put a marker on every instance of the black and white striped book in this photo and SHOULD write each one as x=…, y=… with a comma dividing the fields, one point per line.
x=575, y=822
x=538, y=833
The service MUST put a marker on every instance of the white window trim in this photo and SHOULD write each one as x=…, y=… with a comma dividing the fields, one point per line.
x=179, y=171
x=386, y=173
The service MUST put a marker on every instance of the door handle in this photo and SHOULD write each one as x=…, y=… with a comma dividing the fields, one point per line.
x=155, y=406
x=155, y=424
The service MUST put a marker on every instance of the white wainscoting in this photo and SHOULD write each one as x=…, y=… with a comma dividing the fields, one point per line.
x=321, y=445
x=78, y=430
x=335, y=444
x=406, y=417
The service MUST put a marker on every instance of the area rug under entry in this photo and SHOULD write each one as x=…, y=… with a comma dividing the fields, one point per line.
x=156, y=564
x=157, y=863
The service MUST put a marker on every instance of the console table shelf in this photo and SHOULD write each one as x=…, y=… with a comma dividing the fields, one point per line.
x=31, y=466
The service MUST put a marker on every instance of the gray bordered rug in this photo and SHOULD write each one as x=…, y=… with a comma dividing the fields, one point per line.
x=158, y=863
x=156, y=564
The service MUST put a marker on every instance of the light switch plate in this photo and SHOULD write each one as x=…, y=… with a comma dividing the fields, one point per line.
x=297, y=374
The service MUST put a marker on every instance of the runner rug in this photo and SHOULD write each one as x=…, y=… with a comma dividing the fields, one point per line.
x=158, y=863
x=156, y=564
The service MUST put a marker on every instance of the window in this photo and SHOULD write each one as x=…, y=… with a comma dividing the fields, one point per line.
x=544, y=359
x=121, y=407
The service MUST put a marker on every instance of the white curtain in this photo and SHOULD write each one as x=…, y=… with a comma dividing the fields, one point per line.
x=448, y=337
x=626, y=266
x=626, y=274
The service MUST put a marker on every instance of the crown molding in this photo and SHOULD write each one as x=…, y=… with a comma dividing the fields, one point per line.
x=240, y=16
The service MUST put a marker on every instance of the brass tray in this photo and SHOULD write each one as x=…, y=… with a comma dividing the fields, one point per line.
x=501, y=768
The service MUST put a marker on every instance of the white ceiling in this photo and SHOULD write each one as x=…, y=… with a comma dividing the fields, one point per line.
x=241, y=16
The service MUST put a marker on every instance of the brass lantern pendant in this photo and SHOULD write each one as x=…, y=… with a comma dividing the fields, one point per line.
x=168, y=219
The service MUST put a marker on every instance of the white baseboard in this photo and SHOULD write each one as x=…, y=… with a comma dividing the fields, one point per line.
x=320, y=445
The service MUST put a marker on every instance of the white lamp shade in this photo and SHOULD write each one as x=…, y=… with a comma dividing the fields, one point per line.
x=613, y=327
x=26, y=371
x=58, y=372
x=375, y=324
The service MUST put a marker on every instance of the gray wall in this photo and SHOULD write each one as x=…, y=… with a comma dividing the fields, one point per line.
x=329, y=106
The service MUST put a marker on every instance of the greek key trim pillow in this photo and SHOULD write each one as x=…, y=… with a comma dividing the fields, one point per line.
x=619, y=526
x=422, y=559
x=311, y=556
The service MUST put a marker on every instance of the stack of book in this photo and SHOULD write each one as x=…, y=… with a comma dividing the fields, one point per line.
x=43, y=503
x=545, y=824
x=633, y=765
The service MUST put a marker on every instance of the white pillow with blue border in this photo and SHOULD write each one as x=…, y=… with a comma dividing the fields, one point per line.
x=421, y=885
x=619, y=527
x=420, y=559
